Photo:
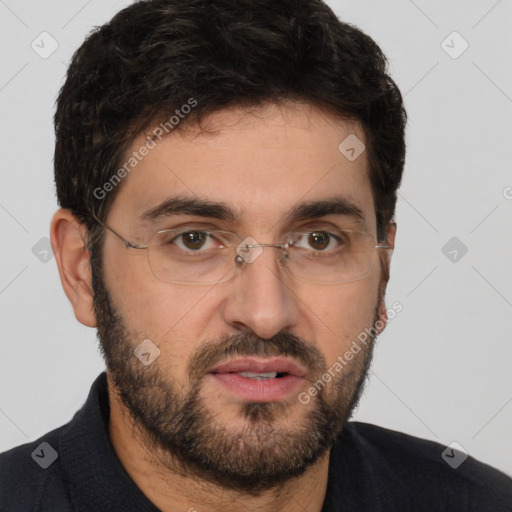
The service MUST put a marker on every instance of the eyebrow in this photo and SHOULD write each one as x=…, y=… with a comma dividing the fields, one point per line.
x=179, y=205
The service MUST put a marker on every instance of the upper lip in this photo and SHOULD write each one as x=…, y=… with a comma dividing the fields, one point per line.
x=275, y=364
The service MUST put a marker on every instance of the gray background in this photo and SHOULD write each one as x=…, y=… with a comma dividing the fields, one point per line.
x=442, y=367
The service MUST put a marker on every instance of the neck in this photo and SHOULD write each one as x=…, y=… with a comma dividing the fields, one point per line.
x=172, y=490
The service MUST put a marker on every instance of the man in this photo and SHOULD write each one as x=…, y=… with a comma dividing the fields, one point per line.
x=227, y=173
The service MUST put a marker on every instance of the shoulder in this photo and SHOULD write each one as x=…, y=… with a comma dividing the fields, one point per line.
x=431, y=471
x=31, y=474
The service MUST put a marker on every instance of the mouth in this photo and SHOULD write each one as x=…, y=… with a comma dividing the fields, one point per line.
x=259, y=380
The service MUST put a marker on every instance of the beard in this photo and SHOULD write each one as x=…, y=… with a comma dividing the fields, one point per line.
x=262, y=448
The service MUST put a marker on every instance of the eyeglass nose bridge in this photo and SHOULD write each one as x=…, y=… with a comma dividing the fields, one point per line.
x=244, y=255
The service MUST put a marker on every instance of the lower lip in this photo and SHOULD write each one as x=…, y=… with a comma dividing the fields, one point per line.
x=262, y=390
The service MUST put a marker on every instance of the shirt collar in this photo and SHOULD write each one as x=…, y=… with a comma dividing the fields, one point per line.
x=97, y=480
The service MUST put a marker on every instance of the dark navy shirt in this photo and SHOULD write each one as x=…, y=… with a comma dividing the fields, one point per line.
x=75, y=468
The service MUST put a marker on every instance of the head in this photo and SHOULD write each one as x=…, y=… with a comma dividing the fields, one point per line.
x=229, y=116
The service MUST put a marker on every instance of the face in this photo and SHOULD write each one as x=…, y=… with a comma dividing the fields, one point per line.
x=193, y=410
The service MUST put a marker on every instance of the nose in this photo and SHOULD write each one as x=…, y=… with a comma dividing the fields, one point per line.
x=260, y=296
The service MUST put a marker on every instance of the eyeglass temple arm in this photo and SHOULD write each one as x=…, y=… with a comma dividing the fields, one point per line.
x=126, y=243
x=386, y=244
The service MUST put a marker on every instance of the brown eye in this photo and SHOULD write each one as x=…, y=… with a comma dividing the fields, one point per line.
x=319, y=240
x=194, y=240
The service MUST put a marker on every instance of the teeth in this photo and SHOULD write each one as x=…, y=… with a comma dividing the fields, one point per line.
x=258, y=376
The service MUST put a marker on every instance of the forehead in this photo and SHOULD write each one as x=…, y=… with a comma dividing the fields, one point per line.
x=260, y=163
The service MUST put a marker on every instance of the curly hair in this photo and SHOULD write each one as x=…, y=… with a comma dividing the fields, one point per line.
x=155, y=55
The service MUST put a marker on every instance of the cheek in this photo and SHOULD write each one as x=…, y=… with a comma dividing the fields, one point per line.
x=152, y=308
x=173, y=317
x=341, y=315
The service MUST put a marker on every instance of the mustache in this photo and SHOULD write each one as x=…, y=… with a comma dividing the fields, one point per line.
x=247, y=343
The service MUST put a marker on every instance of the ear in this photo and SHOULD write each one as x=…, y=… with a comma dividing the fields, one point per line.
x=385, y=262
x=68, y=238
x=391, y=234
